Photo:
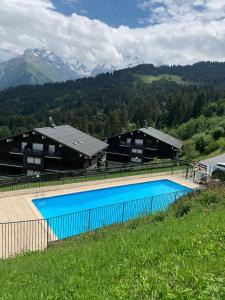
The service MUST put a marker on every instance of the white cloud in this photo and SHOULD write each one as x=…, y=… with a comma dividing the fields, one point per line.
x=180, y=33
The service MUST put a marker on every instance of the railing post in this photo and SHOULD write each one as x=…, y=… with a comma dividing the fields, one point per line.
x=186, y=176
x=89, y=219
x=123, y=211
x=47, y=221
x=175, y=196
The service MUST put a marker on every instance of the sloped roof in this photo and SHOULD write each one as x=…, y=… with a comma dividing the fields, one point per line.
x=159, y=135
x=73, y=138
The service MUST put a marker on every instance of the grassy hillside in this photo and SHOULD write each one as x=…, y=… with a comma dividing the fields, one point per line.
x=163, y=97
x=177, y=255
x=148, y=79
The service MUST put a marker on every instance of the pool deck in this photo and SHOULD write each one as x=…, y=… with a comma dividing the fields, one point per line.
x=17, y=205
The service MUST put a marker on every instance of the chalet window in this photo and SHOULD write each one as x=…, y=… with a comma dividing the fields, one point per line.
x=30, y=160
x=38, y=147
x=128, y=140
x=51, y=149
x=139, y=142
x=33, y=160
x=37, y=161
x=139, y=151
x=33, y=173
x=23, y=145
x=136, y=159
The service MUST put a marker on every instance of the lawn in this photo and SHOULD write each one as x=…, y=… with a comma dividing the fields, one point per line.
x=179, y=254
x=148, y=79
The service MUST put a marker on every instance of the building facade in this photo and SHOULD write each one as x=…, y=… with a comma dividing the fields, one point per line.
x=50, y=149
x=142, y=146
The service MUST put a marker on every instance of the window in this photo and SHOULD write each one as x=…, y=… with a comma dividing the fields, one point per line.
x=128, y=140
x=33, y=173
x=139, y=142
x=38, y=147
x=51, y=149
x=135, y=159
x=139, y=151
x=30, y=160
x=23, y=145
x=33, y=160
x=37, y=161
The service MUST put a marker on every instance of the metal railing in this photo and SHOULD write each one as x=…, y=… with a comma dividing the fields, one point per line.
x=45, y=179
x=36, y=235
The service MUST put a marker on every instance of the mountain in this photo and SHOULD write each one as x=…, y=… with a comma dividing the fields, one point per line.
x=39, y=66
x=34, y=67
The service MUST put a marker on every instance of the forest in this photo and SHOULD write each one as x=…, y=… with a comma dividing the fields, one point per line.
x=185, y=101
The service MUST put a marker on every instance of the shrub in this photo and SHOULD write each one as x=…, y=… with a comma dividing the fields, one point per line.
x=158, y=217
x=218, y=133
x=221, y=143
x=189, y=150
x=218, y=174
x=212, y=146
x=183, y=209
x=201, y=141
x=210, y=197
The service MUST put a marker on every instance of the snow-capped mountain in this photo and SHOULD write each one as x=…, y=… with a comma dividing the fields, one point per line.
x=35, y=66
x=39, y=66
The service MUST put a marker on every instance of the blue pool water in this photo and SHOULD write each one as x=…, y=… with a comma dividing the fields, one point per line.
x=72, y=214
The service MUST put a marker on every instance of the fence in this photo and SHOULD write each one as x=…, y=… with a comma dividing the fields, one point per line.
x=25, y=182
x=19, y=237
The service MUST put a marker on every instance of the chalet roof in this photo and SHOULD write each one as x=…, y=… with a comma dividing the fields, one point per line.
x=73, y=138
x=161, y=136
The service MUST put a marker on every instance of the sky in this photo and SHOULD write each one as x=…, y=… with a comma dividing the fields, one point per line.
x=114, y=31
x=112, y=12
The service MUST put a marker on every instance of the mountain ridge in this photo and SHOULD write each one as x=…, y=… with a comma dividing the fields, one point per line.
x=39, y=66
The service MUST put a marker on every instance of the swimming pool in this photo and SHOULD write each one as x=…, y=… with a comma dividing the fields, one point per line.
x=72, y=214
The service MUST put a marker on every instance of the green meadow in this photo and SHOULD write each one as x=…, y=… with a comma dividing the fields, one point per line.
x=148, y=79
x=178, y=254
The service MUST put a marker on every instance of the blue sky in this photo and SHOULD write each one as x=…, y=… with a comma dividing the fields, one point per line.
x=173, y=31
x=112, y=12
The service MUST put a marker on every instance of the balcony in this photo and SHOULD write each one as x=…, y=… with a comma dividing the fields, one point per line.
x=134, y=145
x=16, y=151
x=124, y=144
x=11, y=163
x=118, y=153
x=46, y=154
x=151, y=148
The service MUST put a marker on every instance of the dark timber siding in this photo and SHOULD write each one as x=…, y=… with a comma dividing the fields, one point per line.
x=123, y=148
x=11, y=153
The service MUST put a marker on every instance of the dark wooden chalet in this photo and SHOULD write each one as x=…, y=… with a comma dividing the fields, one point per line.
x=50, y=149
x=142, y=145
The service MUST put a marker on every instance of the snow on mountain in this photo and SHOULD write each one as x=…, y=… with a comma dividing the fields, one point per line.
x=38, y=66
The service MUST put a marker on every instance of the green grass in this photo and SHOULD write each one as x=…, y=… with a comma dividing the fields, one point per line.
x=175, y=255
x=70, y=180
x=150, y=79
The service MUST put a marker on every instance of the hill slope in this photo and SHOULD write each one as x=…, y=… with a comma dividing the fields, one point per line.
x=111, y=103
x=34, y=67
x=178, y=255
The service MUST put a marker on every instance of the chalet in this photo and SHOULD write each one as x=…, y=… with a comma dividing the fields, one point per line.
x=50, y=149
x=142, y=146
